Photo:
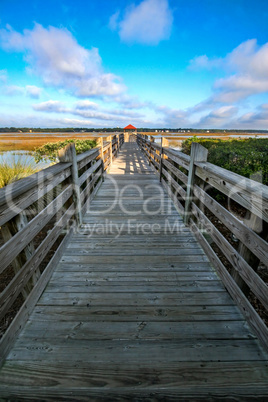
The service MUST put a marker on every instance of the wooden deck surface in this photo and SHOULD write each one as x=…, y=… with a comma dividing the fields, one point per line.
x=134, y=311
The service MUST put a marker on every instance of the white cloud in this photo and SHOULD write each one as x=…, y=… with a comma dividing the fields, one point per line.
x=174, y=117
x=131, y=102
x=87, y=110
x=33, y=91
x=50, y=106
x=13, y=90
x=55, y=56
x=203, y=62
x=86, y=104
x=247, y=72
x=147, y=23
x=218, y=117
x=258, y=118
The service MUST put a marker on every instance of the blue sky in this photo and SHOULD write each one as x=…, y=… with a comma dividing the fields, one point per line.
x=151, y=63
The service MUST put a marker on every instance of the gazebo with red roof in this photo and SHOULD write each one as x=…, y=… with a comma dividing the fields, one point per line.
x=128, y=130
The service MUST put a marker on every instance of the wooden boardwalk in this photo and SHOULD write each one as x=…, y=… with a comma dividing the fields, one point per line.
x=134, y=310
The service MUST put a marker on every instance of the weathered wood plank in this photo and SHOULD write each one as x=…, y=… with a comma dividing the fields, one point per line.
x=141, y=259
x=254, y=242
x=131, y=330
x=137, y=299
x=248, y=193
x=149, y=268
x=18, y=242
x=137, y=351
x=89, y=172
x=108, y=276
x=11, y=292
x=26, y=309
x=19, y=188
x=92, y=312
x=137, y=287
x=46, y=182
x=179, y=190
x=180, y=175
x=222, y=380
x=256, y=284
x=250, y=313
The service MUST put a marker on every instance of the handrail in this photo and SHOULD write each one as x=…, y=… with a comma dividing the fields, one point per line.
x=37, y=217
x=189, y=180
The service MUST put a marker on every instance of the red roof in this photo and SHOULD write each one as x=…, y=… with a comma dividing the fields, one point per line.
x=130, y=127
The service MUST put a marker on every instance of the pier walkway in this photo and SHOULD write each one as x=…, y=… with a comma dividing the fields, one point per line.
x=134, y=310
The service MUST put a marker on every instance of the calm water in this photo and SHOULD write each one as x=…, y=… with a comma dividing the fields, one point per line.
x=22, y=156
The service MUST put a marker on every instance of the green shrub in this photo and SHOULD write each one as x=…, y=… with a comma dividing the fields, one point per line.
x=15, y=168
x=50, y=150
x=246, y=157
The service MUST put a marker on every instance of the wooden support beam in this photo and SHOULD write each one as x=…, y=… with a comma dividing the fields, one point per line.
x=198, y=154
x=68, y=154
x=261, y=228
x=161, y=161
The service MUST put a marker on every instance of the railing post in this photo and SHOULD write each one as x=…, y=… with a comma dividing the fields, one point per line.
x=198, y=154
x=164, y=142
x=161, y=163
x=68, y=154
x=117, y=144
x=101, y=155
x=111, y=150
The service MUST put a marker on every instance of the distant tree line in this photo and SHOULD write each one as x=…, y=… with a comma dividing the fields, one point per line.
x=116, y=129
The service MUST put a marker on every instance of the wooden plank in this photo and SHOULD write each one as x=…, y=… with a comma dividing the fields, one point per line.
x=154, y=251
x=92, y=195
x=26, y=309
x=90, y=185
x=173, y=197
x=137, y=287
x=180, y=175
x=179, y=248
x=162, y=300
x=178, y=157
x=89, y=172
x=256, y=284
x=248, y=193
x=86, y=157
x=179, y=189
x=124, y=381
x=164, y=276
x=46, y=182
x=141, y=259
x=182, y=393
x=18, y=242
x=94, y=313
x=255, y=322
x=131, y=330
x=247, y=236
x=138, y=351
x=20, y=187
x=11, y=292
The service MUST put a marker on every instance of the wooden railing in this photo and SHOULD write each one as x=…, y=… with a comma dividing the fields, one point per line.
x=194, y=185
x=37, y=216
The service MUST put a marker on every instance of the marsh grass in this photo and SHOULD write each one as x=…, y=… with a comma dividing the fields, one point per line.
x=16, y=142
x=15, y=168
